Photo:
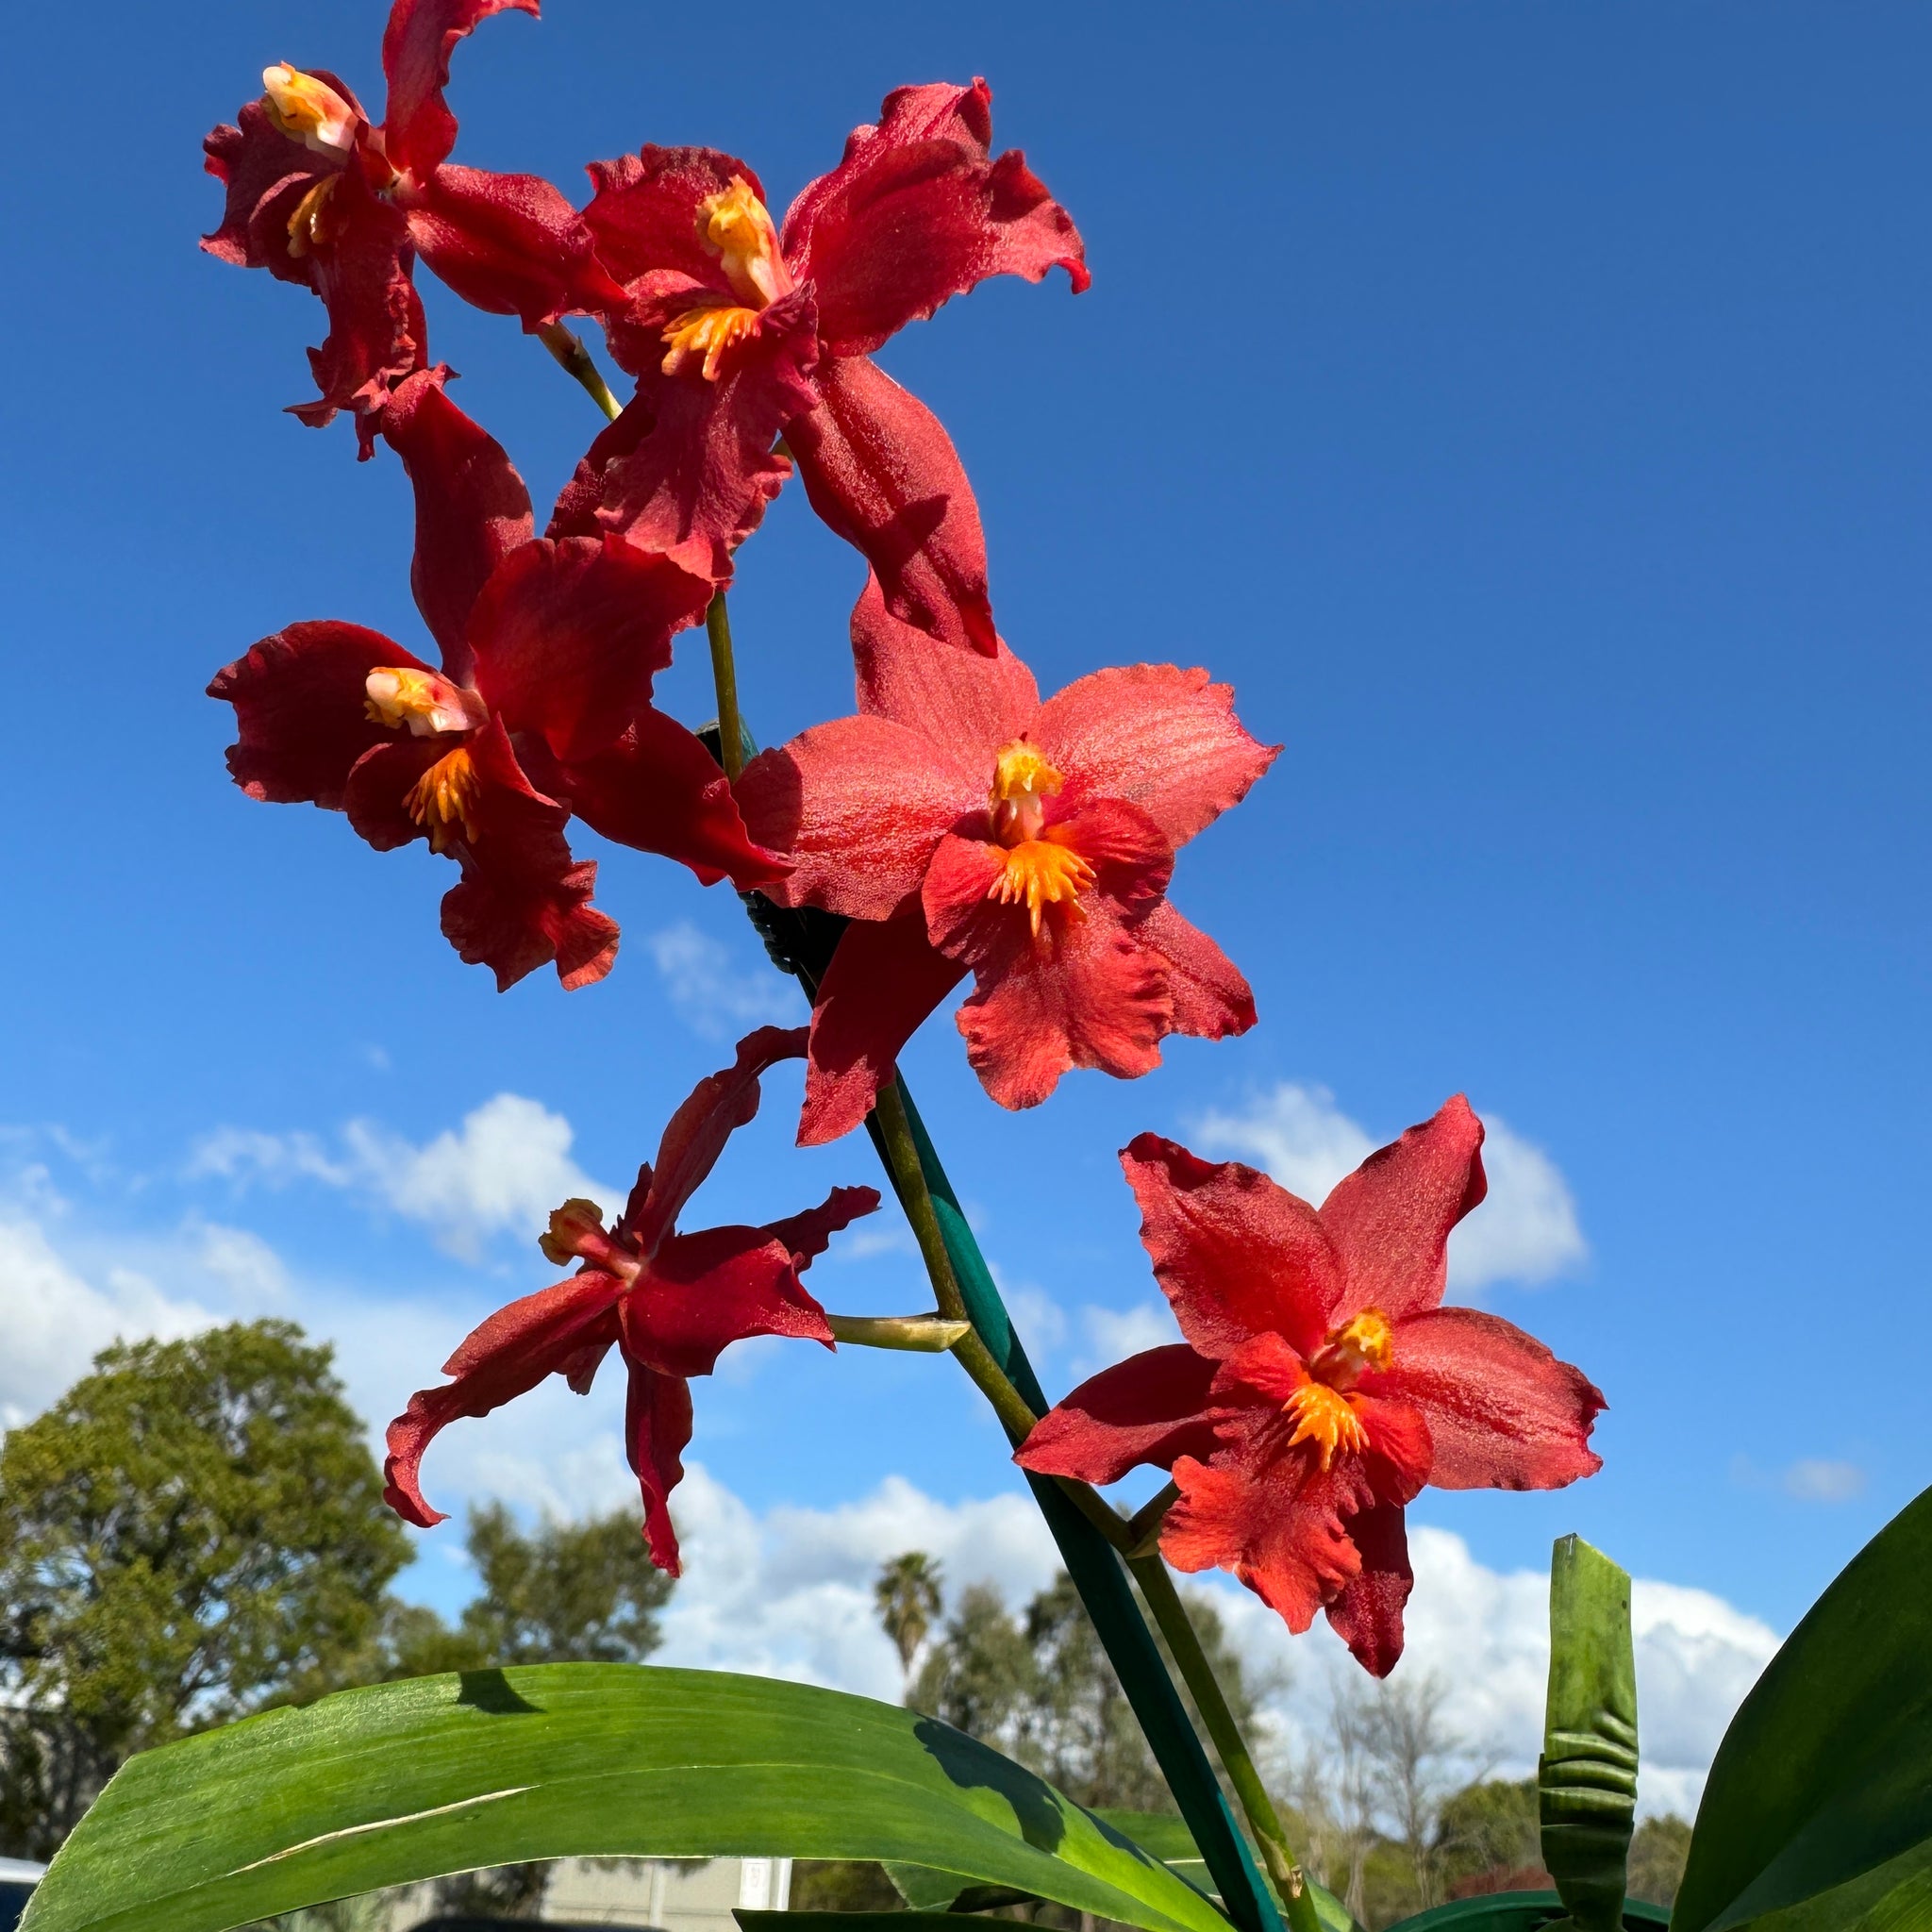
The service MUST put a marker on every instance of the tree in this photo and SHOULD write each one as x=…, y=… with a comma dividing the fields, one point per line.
x=1410, y=1747
x=908, y=1595
x=1489, y=1838
x=1042, y=1689
x=1657, y=1858
x=193, y=1528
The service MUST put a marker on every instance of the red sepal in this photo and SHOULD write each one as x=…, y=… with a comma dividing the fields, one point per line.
x=419, y=130
x=505, y=1357
x=657, y=1430
x=917, y=211
x=643, y=213
x=1150, y=1409
x=472, y=509
x=882, y=473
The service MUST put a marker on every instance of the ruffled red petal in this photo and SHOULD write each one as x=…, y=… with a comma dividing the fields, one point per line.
x=917, y=211
x=1235, y=1254
x=1131, y=859
x=882, y=473
x=644, y=214
x=1367, y=1616
x=704, y=1292
x=1278, y=1521
x=1211, y=999
x=301, y=709
x=1086, y=992
x=578, y=502
x=264, y=174
x=696, y=1135
x=806, y=1235
x=696, y=487
x=523, y=901
x=508, y=243
x=1504, y=1412
x=568, y=635
x=858, y=806
x=657, y=1430
x=376, y=333
x=509, y=1355
x=1150, y=1409
x=1163, y=738
x=376, y=798
x=659, y=789
x=884, y=982
x=419, y=130
x=968, y=705
x=472, y=509
x=1389, y=1220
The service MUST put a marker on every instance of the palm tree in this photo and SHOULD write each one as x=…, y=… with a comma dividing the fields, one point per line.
x=907, y=1595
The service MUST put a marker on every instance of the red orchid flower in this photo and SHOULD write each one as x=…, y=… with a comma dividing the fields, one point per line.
x=541, y=707
x=961, y=823
x=671, y=1303
x=1320, y=1385
x=317, y=194
x=737, y=331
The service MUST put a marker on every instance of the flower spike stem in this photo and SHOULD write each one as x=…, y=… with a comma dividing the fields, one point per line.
x=921, y=1334
x=575, y=362
x=1143, y=1529
x=1171, y=1613
x=908, y=1178
x=724, y=677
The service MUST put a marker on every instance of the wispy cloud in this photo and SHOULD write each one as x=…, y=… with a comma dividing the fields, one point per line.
x=713, y=993
x=1815, y=1479
x=1526, y=1229
x=1113, y=1334
x=500, y=1172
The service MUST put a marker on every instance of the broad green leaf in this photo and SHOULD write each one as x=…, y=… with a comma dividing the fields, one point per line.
x=1519, y=1911
x=1168, y=1838
x=1817, y=1816
x=409, y=1781
x=1586, y=1778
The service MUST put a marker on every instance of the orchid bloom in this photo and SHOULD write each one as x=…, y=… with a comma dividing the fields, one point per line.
x=317, y=194
x=540, y=706
x=961, y=824
x=1320, y=1385
x=737, y=330
x=671, y=1303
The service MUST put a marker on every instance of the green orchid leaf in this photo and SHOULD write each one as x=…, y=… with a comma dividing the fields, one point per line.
x=404, y=1782
x=1817, y=1816
x=1167, y=1838
x=1586, y=1778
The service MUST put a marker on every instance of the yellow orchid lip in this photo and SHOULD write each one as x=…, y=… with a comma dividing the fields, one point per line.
x=1040, y=874
x=1324, y=1416
x=443, y=800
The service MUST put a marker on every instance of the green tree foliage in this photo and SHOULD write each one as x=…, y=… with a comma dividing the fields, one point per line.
x=1040, y=1689
x=908, y=1595
x=191, y=1529
x=1658, y=1853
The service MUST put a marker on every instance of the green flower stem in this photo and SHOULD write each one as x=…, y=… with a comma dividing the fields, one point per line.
x=921, y=1334
x=908, y=1174
x=1171, y=1613
x=574, y=359
x=1143, y=1527
x=724, y=678
x=1088, y=1531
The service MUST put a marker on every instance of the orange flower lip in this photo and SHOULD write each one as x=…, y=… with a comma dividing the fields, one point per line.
x=443, y=800
x=1325, y=1417
x=1040, y=874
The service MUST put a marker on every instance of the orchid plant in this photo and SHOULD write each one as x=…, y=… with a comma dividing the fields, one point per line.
x=956, y=825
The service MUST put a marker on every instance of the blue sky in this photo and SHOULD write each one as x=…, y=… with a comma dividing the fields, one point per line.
x=1525, y=407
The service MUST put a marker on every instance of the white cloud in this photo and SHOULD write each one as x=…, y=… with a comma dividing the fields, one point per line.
x=1486, y=1635
x=1526, y=1230
x=1814, y=1479
x=500, y=1172
x=788, y=1593
x=712, y=994
x=54, y=1320
x=1113, y=1334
